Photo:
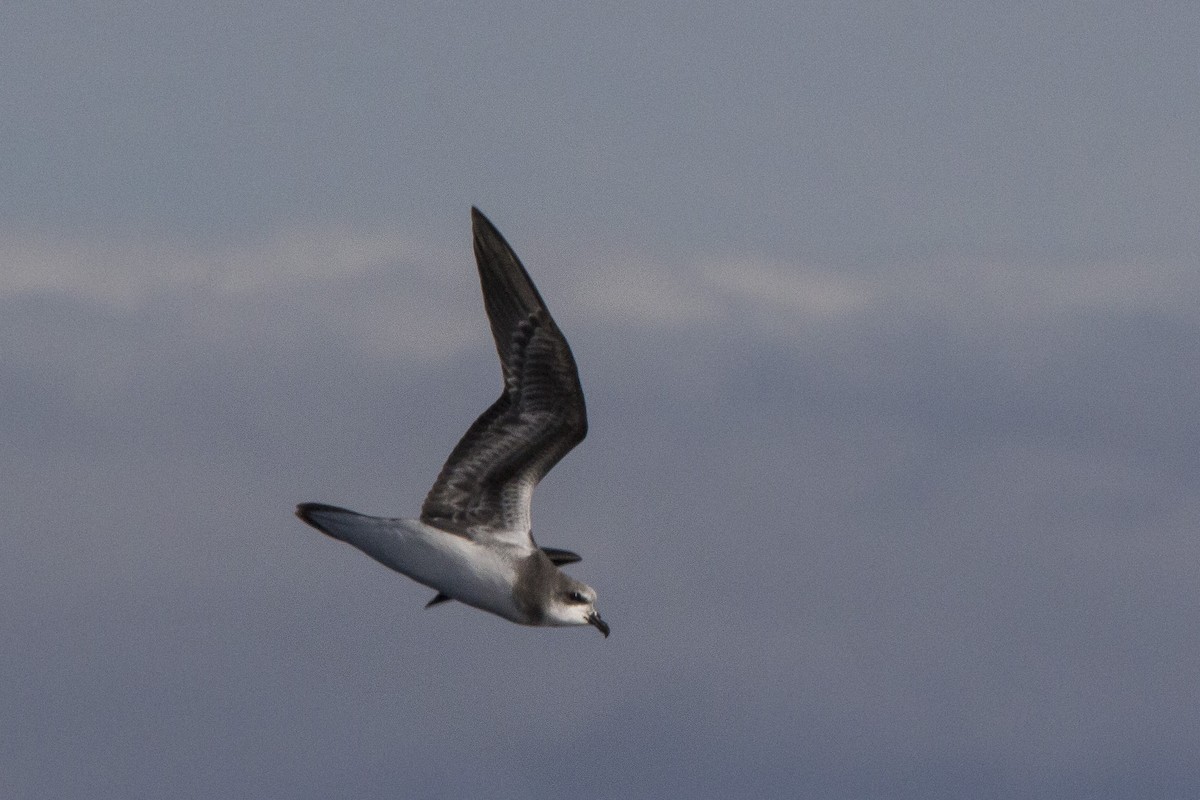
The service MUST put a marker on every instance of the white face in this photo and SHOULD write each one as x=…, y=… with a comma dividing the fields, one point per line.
x=574, y=605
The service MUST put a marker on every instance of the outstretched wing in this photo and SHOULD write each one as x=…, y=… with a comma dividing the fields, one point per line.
x=486, y=485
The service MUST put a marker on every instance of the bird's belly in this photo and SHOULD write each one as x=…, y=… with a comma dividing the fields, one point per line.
x=457, y=567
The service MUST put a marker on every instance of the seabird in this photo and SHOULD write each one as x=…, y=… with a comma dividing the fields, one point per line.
x=473, y=542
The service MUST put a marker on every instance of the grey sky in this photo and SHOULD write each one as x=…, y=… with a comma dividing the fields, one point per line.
x=887, y=317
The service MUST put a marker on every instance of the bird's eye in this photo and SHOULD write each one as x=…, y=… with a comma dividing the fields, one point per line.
x=577, y=597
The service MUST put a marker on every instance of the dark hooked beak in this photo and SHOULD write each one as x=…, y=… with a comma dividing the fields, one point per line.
x=602, y=626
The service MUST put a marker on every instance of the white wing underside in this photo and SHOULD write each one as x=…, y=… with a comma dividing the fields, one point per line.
x=479, y=575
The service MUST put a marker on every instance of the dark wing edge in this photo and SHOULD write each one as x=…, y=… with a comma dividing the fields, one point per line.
x=489, y=477
x=509, y=296
x=560, y=557
x=310, y=513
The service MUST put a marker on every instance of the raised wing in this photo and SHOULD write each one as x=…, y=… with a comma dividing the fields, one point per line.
x=486, y=485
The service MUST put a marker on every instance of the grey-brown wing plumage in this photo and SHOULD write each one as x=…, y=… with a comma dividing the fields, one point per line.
x=487, y=483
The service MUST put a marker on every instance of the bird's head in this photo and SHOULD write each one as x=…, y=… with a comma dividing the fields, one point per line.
x=573, y=603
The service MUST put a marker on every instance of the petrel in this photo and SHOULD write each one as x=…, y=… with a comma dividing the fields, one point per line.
x=473, y=542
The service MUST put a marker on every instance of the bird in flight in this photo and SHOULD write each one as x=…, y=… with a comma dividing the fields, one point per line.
x=473, y=542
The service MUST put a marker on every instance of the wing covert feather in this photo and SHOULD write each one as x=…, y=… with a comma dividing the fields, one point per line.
x=486, y=485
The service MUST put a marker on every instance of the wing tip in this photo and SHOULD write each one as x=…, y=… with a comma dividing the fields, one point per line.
x=304, y=510
x=307, y=512
x=480, y=222
x=560, y=557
